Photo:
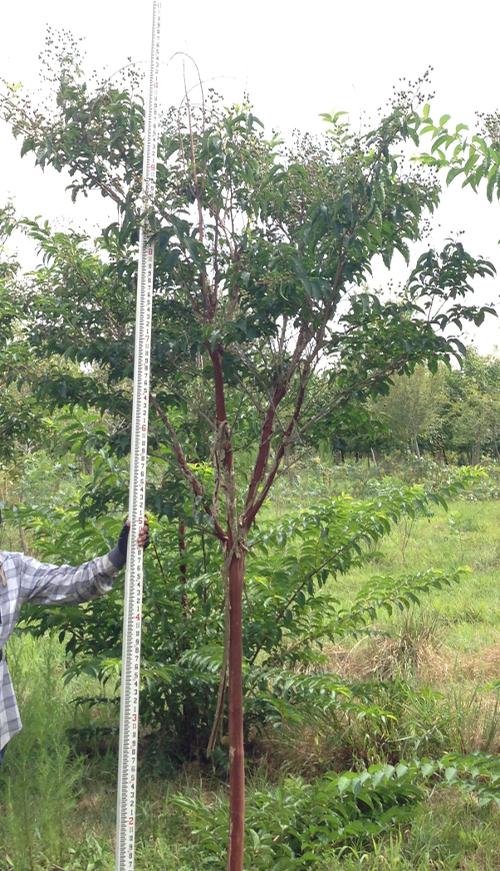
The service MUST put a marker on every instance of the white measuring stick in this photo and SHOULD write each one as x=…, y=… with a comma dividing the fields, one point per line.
x=131, y=656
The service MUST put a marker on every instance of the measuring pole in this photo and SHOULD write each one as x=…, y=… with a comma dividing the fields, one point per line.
x=129, y=703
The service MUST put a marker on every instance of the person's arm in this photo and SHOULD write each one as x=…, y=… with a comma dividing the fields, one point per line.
x=46, y=584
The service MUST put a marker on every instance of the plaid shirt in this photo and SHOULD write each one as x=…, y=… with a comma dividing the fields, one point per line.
x=23, y=579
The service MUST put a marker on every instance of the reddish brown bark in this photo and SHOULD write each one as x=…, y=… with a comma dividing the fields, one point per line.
x=236, y=749
x=236, y=573
x=253, y=509
x=265, y=444
x=220, y=400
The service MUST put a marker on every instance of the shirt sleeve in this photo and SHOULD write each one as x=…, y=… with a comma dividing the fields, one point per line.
x=45, y=584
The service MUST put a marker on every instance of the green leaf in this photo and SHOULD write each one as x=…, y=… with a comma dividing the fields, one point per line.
x=492, y=181
x=28, y=145
x=436, y=145
x=453, y=173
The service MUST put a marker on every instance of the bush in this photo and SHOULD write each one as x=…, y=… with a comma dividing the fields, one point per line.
x=291, y=611
x=293, y=825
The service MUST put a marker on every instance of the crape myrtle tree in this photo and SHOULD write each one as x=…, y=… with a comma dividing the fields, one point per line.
x=263, y=251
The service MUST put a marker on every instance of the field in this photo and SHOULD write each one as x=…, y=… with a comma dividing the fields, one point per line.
x=441, y=660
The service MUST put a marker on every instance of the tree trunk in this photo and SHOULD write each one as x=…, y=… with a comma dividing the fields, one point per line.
x=236, y=572
x=189, y=746
x=236, y=749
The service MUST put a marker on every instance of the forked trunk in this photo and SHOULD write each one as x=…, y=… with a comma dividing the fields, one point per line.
x=236, y=749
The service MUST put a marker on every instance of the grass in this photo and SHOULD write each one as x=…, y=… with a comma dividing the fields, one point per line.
x=447, y=832
x=466, y=536
x=444, y=655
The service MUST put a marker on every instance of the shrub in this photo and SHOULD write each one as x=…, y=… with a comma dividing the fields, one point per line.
x=292, y=567
x=293, y=825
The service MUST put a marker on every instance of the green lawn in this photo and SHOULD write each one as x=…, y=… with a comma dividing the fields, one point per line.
x=467, y=535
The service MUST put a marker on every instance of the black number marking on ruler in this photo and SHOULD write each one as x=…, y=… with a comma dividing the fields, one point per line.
x=131, y=657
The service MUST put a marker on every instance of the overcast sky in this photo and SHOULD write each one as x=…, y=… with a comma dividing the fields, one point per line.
x=296, y=60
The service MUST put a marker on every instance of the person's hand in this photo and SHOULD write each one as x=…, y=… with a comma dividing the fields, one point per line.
x=118, y=555
x=143, y=537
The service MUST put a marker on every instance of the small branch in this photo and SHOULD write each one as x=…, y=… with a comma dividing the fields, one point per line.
x=347, y=394
x=158, y=560
x=268, y=425
x=196, y=485
x=209, y=299
x=253, y=508
x=282, y=338
x=193, y=164
x=179, y=453
x=216, y=252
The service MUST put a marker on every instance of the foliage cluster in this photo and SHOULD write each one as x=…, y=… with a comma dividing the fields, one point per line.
x=347, y=722
x=292, y=609
x=292, y=826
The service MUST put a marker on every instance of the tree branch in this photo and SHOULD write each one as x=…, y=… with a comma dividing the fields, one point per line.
x=268, y=425
x=195, y=484
x=253, y=508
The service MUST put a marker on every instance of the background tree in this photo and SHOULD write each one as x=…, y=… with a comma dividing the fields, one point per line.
x=353, y=429
x=261, y=253
x=411, y=407
x=470, y=414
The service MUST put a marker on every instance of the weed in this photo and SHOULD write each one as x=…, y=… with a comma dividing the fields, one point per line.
x=38, y=781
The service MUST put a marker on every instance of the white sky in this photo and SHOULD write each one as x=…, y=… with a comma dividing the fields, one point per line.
x=296, y=59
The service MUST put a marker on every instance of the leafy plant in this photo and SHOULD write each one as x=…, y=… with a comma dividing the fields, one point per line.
x=293, y=824
x=291, y=604
x=472, y=157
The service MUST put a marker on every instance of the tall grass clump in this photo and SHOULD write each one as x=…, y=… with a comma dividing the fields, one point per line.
x=38, y=779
